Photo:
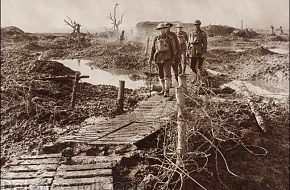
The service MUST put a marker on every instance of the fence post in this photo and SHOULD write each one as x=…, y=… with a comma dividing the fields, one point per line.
x=29, y=98
x=73, y=96
x=147, y=46
x=180, y=124
x=182, y=83
x=121, y=95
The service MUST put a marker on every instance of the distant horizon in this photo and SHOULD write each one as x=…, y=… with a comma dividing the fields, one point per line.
x=46, y=16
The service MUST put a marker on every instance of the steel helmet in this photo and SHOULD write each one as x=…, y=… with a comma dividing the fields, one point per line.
x=197, y=22
x=168, y=24
x=179, y=26
x=160, y=26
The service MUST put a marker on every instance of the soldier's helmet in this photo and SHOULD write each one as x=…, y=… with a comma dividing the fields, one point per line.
x=168, y=24
x=179, y=26
x=197, y=22
x=160, y=26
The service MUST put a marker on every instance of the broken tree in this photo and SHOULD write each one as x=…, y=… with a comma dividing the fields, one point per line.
x=76, y=30
x=116, y=22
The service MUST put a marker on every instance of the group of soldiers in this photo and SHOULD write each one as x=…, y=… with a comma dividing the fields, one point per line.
x=173, y=49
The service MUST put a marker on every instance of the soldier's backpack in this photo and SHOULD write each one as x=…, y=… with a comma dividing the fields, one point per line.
x=181, y=38
x=162, y=45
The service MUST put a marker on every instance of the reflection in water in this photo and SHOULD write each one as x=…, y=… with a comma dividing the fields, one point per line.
x=98, y=76
x=257, y=88
x=279, y=50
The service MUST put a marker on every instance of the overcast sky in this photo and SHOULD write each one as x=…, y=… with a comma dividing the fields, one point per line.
x=48, y=15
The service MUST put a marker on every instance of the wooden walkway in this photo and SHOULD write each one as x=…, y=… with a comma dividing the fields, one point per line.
x=49, y=171
x=129, y=128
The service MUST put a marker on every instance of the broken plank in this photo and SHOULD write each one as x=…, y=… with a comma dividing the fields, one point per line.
x=26, y=182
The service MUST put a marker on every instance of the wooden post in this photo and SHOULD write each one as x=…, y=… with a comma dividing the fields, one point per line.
x=147, y=46
x=180, y=125
x=182, y=83
x=73, y=96
x=242, y=25
x=121, y=95
x=29, y=98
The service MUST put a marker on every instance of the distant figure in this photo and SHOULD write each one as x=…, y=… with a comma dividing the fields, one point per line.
x=281, y=30
x=132, y=33
x=272, y=28
x=122, y=36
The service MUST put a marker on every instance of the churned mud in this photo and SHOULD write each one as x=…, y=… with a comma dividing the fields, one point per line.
x=227, y=148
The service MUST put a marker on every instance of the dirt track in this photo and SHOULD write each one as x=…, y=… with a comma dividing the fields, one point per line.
x=242, y=59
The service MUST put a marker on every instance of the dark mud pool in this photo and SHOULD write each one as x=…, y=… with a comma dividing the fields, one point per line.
x=105, y=77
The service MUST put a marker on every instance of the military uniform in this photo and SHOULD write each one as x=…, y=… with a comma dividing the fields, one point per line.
x=183, y=40
x=162, y=53
x=197, y=47
x=176, y=49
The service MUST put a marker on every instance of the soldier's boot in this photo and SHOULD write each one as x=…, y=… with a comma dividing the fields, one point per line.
x=162, y=83
x=167, y=87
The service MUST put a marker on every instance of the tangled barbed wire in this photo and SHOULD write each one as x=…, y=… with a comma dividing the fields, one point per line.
x=214, y=125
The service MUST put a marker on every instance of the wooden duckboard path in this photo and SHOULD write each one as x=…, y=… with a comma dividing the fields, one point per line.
x=129, y=128
x=43, y=172
x=50, y=172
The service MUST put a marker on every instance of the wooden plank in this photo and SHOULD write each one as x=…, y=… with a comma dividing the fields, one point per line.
x=26, y=182
x=27, y=188
x=26, y=175
x=84, y=173
x=106, y=165
x=28, y=168
x=104, y=186
x=35, y=162
x=43, y=156
x=95, y=159
x=82, y=181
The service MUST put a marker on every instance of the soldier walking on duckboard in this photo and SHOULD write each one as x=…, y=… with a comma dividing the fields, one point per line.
x=197, y=47
x=176, y=49
x=162, y=54
x=183, y=40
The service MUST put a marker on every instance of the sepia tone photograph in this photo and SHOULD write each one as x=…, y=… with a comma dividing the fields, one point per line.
x=144, y=95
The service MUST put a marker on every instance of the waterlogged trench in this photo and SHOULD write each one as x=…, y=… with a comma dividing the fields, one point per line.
x=105, y=77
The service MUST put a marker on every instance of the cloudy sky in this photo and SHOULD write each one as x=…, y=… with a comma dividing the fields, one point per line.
x=48, y=15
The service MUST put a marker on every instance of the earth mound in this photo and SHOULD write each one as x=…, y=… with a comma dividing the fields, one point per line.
x=51, y=68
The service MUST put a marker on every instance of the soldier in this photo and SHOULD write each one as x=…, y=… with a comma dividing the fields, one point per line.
x=183, y=40
x=162, y=54
x=281, y=30
x=176, y=49
x=197, y=47
x=122, y=36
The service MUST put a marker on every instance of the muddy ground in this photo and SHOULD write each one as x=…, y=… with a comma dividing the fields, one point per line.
x=32, y=117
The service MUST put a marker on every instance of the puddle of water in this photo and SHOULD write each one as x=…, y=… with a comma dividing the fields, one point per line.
x=256, y=88
x=98, y=76
x=279, y=50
